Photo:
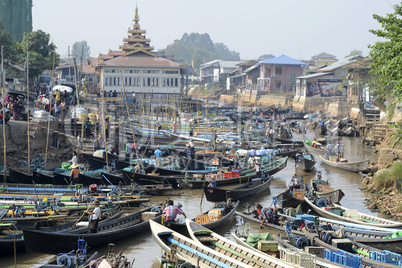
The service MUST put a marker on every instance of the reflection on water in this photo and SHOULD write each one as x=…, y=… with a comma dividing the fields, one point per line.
x=144, y=249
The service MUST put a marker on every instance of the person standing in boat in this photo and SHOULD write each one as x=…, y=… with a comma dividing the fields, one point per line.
x=294, y=183
x=258, y=167
x=174, y=127
x=87, y=126
x=74, y=160
x=74, y=174
x=338, y=148
x=94, y=219
x=158, y=157
x=329, y=150
x=170, y=213
x=158, y=127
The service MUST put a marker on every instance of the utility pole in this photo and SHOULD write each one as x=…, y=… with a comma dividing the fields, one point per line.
x=4, y=118
x=2, y=68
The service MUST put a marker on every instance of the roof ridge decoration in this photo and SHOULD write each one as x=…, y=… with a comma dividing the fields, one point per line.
x=131, y=47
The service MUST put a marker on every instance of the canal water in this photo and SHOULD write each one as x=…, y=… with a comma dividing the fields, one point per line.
x=143, y=248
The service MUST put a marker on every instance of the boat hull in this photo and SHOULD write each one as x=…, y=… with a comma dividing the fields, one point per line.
x=352, y=166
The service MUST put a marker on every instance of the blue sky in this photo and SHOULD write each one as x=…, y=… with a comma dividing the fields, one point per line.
x=299, y=29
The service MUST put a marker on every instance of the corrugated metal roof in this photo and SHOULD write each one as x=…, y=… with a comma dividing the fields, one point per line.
x=282, y=60
x=339, y=64
x=238, y=75
x=312, y=75
x=229, y=63
x=250, y=68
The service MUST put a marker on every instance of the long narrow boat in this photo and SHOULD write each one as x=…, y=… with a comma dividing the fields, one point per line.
x=9, y=242
x=352, y=215
x=370, y=238
x=322, y=189
x=288, y=199
x=254, y=187
x=305, y=162
x=365, y=261
x=204, y=236
x=190, y=251
x=315, y=151
x=350, y=166
x=46, y=242
x=227, y=212
x=16, y=176
x=246, y=175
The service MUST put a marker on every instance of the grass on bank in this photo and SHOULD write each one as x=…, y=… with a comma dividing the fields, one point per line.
x=387, y=178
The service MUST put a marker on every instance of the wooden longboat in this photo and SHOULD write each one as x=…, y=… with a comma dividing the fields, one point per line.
x=42, y=178
x=249, y=256
x=322, y=189
x=350, y=166
x=146, y=179
x=7, y=242
x=320, y=262
x=366, y=261
x=254, y=187
x=354, y=216
x=370, y=238
x=285, y=200
x=315, y=151
x=108, y=232
x=227, y=215
x=86, y=180
x=16, y=176
x=246, y=175
x=190, y=251
x=289, y=141
x=305, y=162
x=290, y=153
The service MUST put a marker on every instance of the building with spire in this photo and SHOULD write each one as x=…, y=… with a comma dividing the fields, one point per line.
x=136, y=67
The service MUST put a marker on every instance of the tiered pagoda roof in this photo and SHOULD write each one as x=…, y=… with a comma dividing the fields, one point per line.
x=136, y=42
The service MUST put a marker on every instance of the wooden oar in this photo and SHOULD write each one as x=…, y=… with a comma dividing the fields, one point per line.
x=83, y=214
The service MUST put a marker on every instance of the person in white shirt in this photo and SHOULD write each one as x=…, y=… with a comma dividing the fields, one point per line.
x=94, y=219
x=74, y=160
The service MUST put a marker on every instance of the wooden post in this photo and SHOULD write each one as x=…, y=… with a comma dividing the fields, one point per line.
x=29, y=140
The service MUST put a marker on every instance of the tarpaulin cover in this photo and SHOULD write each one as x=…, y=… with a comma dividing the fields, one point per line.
x=252, y=240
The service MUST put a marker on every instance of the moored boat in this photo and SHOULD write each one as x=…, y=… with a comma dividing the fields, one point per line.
x=338, y=212
x=190, y=251
x=111, y=231
x=206, y=237
x=254, y=187
x=348, y=166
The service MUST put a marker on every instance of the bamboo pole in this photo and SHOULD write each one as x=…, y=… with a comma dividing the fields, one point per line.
x=128, y=115
x=48, y=121
x=4, y=139
x=29, y=142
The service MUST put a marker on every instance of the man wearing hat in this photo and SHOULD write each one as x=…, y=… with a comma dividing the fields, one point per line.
x=94, y=219
x=74, y=174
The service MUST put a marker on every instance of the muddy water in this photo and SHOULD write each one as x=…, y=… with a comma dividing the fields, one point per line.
x=144, y=249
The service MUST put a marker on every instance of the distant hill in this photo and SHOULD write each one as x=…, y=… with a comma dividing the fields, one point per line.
x=200, y=49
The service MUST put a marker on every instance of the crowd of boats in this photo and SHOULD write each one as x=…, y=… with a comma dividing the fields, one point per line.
x=43, y=211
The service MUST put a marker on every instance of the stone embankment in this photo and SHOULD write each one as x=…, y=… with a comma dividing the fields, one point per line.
x=16, y=137
x=386, y=183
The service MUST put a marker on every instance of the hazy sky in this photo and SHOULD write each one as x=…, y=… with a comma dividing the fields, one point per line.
x=299, y=29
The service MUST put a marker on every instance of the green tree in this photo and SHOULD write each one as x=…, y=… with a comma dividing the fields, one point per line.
x=199, y=48
x=265, y=56
x=6, y=41
x=81, y=51
x=387, y=55
x=355, y=52
x=40, y=52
